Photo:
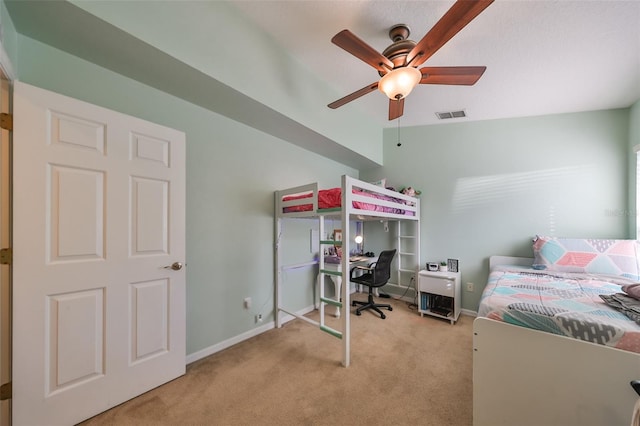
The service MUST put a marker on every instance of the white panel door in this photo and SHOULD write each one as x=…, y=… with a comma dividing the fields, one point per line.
x=99, y=214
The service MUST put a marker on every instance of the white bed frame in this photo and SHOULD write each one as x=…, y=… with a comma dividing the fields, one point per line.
x=528, y=377
x=345, y=214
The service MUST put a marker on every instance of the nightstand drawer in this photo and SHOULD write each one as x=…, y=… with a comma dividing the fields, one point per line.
x=439, y=294
x=437, y=285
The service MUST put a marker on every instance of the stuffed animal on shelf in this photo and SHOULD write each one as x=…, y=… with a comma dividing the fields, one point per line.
x=410, y=191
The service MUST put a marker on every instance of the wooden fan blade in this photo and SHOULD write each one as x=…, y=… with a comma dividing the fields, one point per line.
x=456, y=18
x=464, y=76
x=361, y=50
x=355, y=95
x=396, y=108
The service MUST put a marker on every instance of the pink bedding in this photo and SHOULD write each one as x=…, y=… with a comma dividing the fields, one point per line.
x=332, y=198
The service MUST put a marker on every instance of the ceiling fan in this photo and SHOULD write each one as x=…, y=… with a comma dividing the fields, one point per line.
x=397, y=64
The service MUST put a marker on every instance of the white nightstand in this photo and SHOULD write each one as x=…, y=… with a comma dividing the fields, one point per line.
x=439, y=294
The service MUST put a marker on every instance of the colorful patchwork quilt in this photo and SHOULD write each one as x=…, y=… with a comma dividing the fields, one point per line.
x=564, y=303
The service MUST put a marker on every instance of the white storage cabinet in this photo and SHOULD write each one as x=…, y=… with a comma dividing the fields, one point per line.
x=439, y=294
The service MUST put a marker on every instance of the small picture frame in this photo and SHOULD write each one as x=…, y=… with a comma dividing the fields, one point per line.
x=337, y=236
x=452, y=265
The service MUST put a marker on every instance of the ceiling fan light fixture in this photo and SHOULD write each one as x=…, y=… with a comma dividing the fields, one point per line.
x=399, y=82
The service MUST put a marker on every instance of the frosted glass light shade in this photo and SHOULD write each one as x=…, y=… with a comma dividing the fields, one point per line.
x=358, y=239
x=398, y=83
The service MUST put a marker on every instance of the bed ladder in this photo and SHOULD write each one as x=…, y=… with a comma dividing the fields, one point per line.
x=322, y=272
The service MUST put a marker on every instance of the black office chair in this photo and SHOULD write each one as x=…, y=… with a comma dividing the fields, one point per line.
x=376, y=275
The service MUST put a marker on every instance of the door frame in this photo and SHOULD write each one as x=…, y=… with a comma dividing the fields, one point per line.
x=6, y=79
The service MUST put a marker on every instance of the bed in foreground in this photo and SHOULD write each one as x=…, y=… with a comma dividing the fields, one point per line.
x=548, y=350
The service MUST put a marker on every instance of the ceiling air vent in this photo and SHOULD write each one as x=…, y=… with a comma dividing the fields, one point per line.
x=451, y=114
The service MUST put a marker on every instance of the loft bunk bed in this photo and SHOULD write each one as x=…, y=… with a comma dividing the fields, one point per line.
x=354, y=200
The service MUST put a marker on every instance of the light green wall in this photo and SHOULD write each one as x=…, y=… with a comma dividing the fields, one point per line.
x=215, y=38
x=489, y=187
x=8, y=36
x=232, y=172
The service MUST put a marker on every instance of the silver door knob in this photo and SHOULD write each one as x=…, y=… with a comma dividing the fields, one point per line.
x=176, y=266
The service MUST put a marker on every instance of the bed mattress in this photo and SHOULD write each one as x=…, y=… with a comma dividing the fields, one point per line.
x=564, y=303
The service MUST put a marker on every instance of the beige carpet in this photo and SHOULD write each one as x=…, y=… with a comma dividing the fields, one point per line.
x=405, y=370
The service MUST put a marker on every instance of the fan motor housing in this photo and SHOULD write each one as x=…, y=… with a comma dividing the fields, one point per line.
x=398, y=51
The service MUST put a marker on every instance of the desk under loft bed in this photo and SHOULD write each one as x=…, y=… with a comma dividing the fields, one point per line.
x=354, y=200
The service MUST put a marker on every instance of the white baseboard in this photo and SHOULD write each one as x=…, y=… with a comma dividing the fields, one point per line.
x=203, y=353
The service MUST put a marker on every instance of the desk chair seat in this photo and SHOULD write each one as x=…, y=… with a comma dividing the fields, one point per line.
x=376, y=275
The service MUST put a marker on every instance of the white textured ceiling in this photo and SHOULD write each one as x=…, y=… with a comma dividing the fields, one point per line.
x=542, y=57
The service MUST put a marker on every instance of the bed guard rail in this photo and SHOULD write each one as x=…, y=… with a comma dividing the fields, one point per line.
x=281, y=204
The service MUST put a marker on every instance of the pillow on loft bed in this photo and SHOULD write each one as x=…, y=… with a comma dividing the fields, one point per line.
x=611, y=257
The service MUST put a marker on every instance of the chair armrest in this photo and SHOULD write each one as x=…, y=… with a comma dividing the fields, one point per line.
x=364, y=268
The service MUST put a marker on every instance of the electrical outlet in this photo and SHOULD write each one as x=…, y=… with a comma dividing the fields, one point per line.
x=259, y=318
x=469, y=286
x=247, y=303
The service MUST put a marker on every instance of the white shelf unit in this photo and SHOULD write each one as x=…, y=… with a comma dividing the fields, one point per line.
x=439, y=294
x=408, y=246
